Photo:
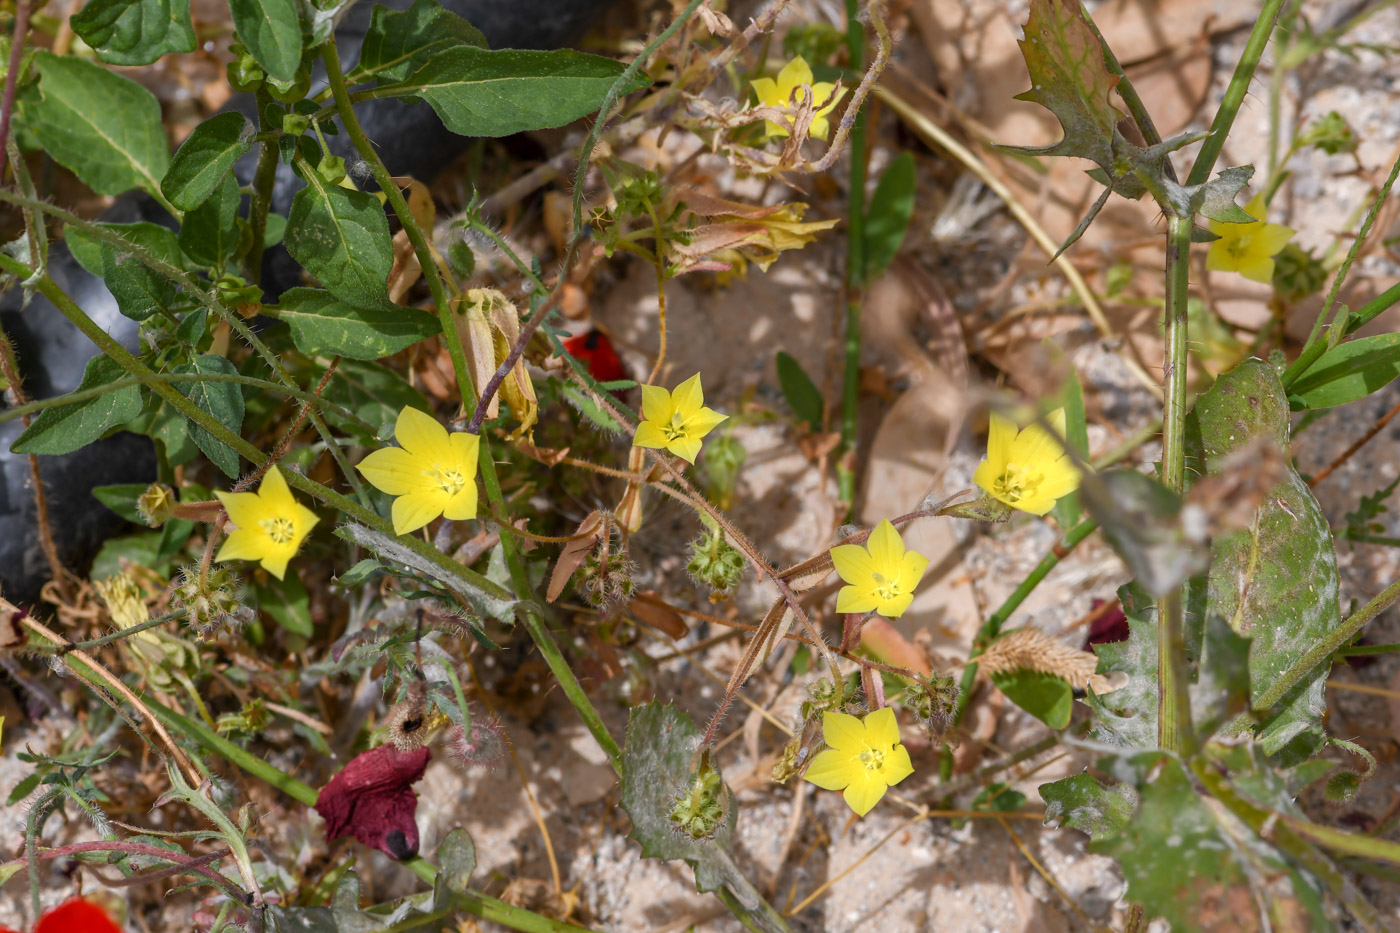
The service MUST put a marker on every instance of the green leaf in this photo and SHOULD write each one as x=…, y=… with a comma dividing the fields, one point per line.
x=104, y=127
x=1274, y=581
x=801, y=393
x=87, y=249
x=485, y=92
x=1067, y=509
x=1128, y=716
x=272, y=32
x=1347, y=372
x=23, y=789
x=375, y=394
x=64, y=428
x=204, y=159
x=359, y=573
x=141, y=291
x=891, y=206
x=142, y=549
x=658, y=763
x=1082, y=803
x=287, y=602
x=342, y=238
x=1141, y=520
x=1045, y=696
x=223, y=400
x=121, y=498
x=456, y=860
x=322, y=325
x=399, y=41
x=135, y=32
x=209, y=234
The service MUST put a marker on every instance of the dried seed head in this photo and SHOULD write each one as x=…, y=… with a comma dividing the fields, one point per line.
x=411, y=723
x=715, y=563
x=213, y=604
x=484, y=749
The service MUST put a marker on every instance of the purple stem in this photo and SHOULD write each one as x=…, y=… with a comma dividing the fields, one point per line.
x=493, y=385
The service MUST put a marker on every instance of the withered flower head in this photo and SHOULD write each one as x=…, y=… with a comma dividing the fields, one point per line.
x=373, y=799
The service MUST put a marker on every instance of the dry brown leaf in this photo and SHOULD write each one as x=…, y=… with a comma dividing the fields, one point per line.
x=650, y=609
x=574, y=552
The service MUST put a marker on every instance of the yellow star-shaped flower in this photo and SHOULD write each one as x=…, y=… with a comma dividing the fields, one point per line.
x=1248, y=248
x=268, y=525
x=797, y=76
x=431, y=472
x=1028, y=470
x=880, y=577
x=863, y=757
x=676, y=421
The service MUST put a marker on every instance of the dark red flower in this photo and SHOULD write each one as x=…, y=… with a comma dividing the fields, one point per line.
x=372, y=799
x=595, y=350
x=1110, y=627
x=75, y=916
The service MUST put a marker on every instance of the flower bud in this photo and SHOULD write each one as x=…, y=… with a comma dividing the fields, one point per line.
x=156, y=505
x=211, y=604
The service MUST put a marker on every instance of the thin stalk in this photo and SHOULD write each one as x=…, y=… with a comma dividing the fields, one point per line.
x=1324, y=649
x=856, y=269
x=124, y=633
x=7, y=103
x=264, y=177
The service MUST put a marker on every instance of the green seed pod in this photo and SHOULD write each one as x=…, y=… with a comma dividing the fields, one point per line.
x=331, y=169
x=294, y=124
x=245, y=75
x=699, y=810
x=289, y=92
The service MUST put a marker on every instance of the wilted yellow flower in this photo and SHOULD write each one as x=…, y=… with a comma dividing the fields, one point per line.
x=1028, y=470
x=797, y=76
x=676, y=421
x=1248, y=248
x=735, y=233
x=431, y=472
x=268, y=525
x=863, y=757
x=880, y=577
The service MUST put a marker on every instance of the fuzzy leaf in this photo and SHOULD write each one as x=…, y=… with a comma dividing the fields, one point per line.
x=1347, y=372
x=223, y=400
x=1275, y=582
x=399, y=41
x=104, y=127
x=484, y=92
x=135, y=32
x=209, y=233
x=1045, y=696
x=1141, y=519
x=456, y=859
x=321, y=324
x=1128, y=716
x=271, y=30
x=205, y=157
x=64, y=428
x=1082, y=803
x=342, y=238
x=141, y=291
x=1214, y=199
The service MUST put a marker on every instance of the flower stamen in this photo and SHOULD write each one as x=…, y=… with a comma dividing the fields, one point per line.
x=280, y=530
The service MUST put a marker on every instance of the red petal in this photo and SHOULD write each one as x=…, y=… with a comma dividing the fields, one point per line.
x=76, y=916
x=596, y=350
x=372, y=799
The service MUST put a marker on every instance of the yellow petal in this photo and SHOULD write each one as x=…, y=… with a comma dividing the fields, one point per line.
x=465, y=448
x=897, y=766
x=689, y=398
x=1057, y=421
x=687, y=448
x=245, y=509
x=843, y=732
x=886, y=548
x=303, y=520
x=416, y=509
x=242, y=544
x=767, y=91
x=895, y=607
x=911, y=569
x=830, y=770
x=820, y=92
x=421, y=435
x=820, y=128
x=863, y=793
x=985, y=476
x=657, y=405
x=882, y=728
x=856, y=599
x=1001, y=434
x=853, y=564
x=1036, y=446
x=1038, y=504
x=796, y=72
x=462, y=506
x=393, y=470
x=274, y=491
x=1059, y=479
x=775, y=129
x=275, y=562
x=1257, y=270
x=1256, y=207
x=1272, y=238
x=703, y=422
x=1218, y=258
x=649, y=435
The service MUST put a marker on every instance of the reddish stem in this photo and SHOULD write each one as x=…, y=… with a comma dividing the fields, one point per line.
x=7, y=104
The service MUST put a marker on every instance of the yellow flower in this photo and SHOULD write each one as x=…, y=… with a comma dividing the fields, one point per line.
x=863, y=757
x=797, y=76
x=431, y=472
x=1247, y=248
x=676, y=421
x=881, y=577
x=268, y=525
x=1028, y=470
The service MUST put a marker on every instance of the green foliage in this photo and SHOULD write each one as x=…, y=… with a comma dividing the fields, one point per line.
x=1331, y=133
x=141, y=291
x=205, y=157
x=1363, y=522
x=210, y=234
x=135, y=32
x=342, y=238
x=102, y=126
x=271, y=30
x=223, y=400
x=399, y=41
x=1141, y=520
x=887, y=220
x=1347, y=372
x=287, y=602
x=1082, y=803
x=1045, y=696
x=800, y=391
x=323, y=325
x=481, y=92
x=65, y=428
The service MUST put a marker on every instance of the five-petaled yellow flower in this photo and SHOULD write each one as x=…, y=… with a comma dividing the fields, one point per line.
x=1248, y=248
x=676, y=421
x=797, y=76
x=268, y=525
x=863, y=757
x=431, y=472
x=1028, y=470
x=880, y=577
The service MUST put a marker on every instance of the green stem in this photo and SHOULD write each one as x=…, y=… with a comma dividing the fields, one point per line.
x=1366, y=650
x=264, y=176
x=125, y=633
x=1173, y=709
x=549, y=649
x=1235, y=93
x=1336, y=639
x=856, y=270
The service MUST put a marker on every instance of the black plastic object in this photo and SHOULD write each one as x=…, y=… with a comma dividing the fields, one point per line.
x=52, y=353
